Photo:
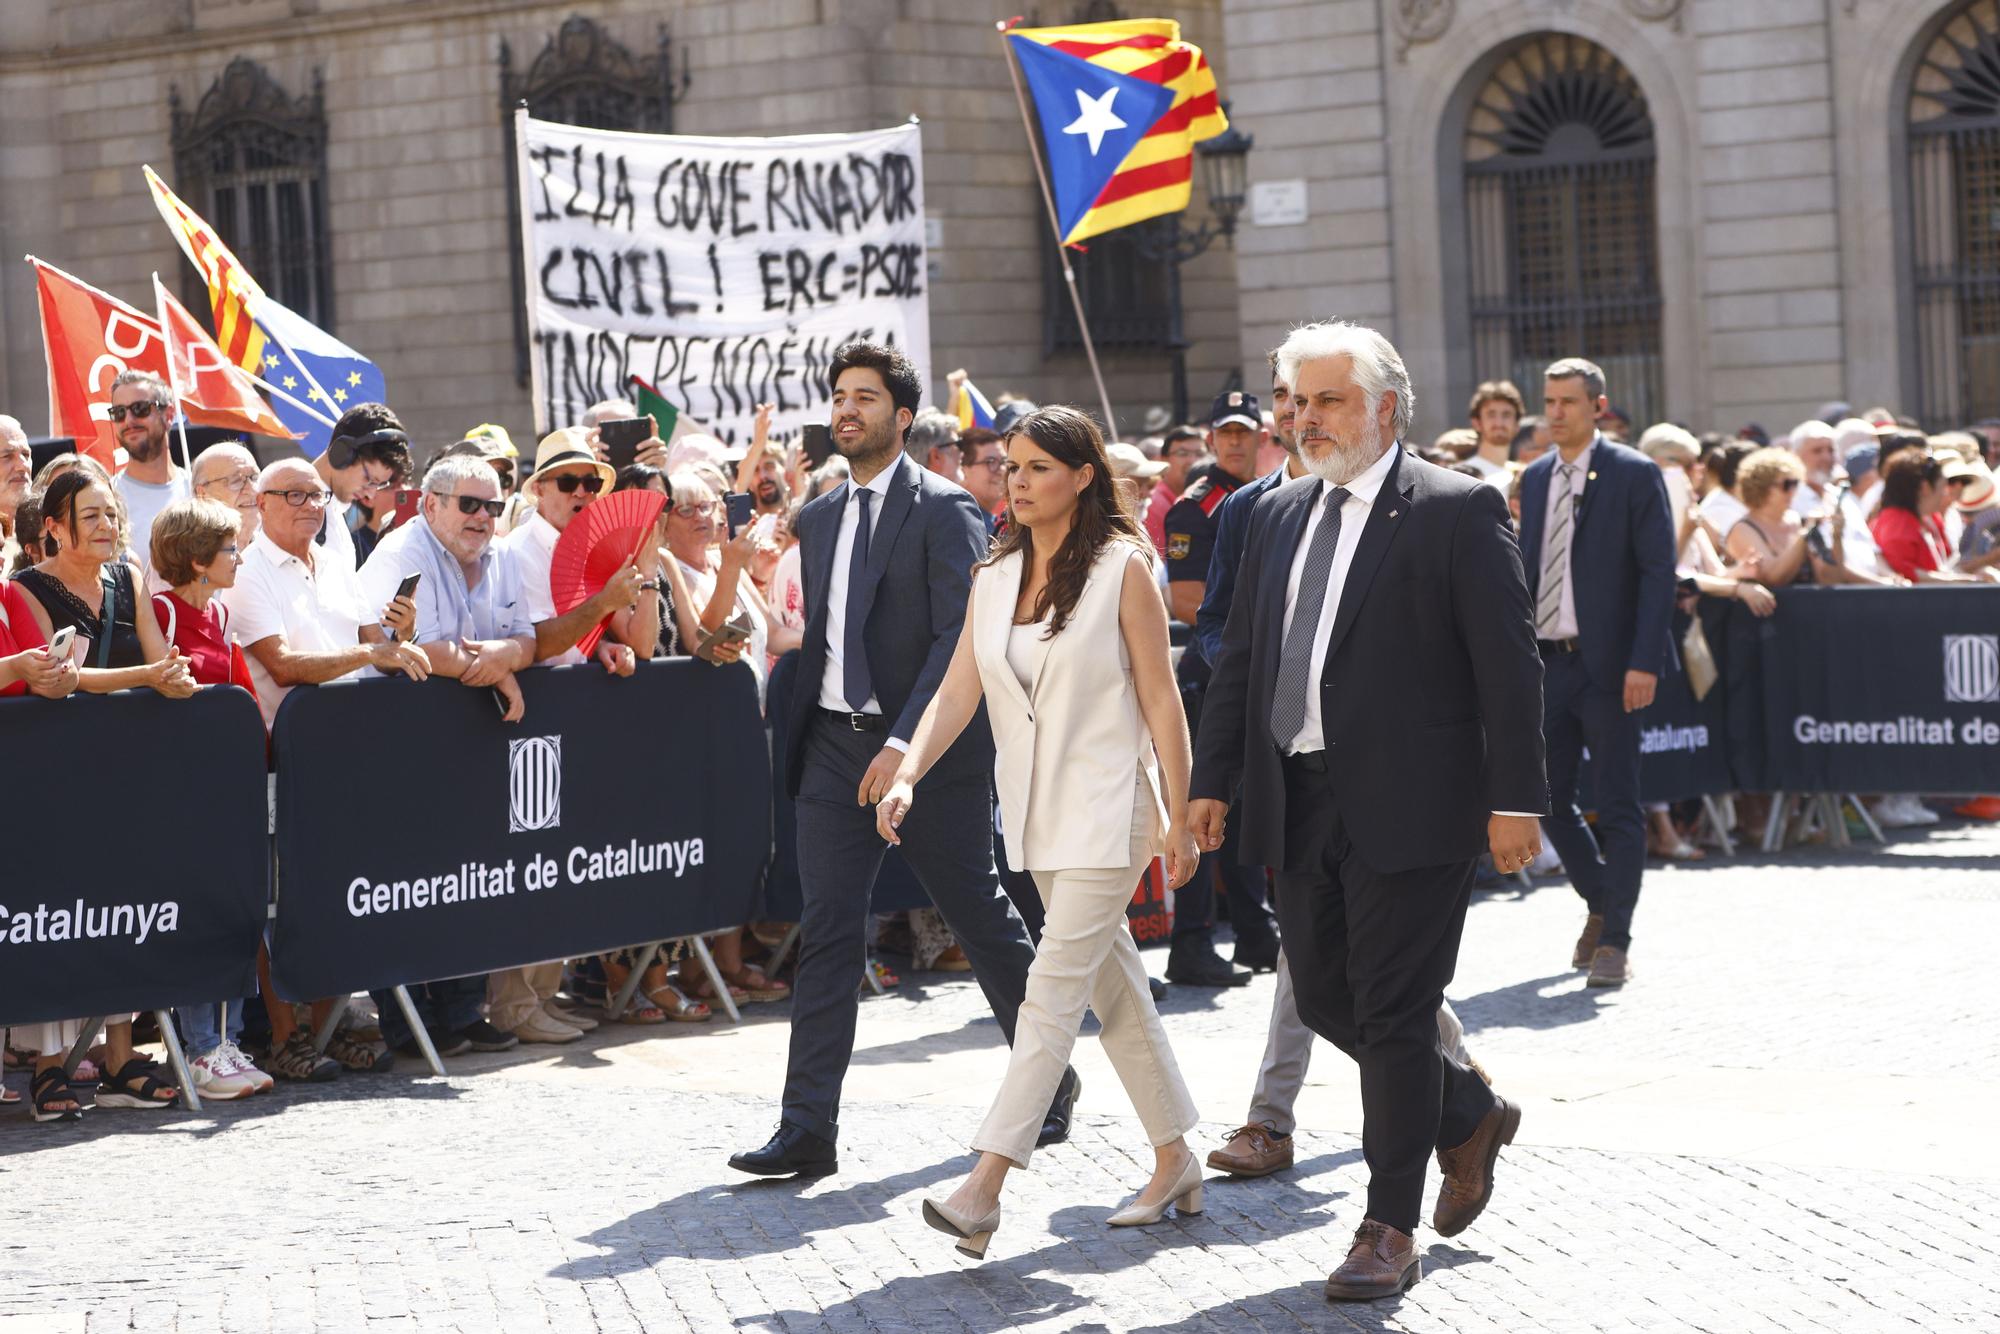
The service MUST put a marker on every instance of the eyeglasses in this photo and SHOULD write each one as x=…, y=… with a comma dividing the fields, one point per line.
x=236, y=481
x=991, y=465
x=140, y=410
x=370, y=488
x=473, y=504
x=229, y=551
x=591, y=482
x=697, y=509
x=1789, y=484
x=297, y=498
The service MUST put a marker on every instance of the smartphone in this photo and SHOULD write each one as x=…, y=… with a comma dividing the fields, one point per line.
x=500, y=702
x=742, y=506
x=1818, y=546
x=818, y=442
x=621, y=437
x=59, y=646
x=408, y=499
x=408, y=588
x=729, y=632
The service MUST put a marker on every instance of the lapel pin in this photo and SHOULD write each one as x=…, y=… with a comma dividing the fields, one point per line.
x=1591, y=477
x=1394, y=513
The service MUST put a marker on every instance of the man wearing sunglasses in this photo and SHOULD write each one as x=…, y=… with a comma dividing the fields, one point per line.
x=567, y=477
x=141, y=413
x=367, y=458
x=472, y=616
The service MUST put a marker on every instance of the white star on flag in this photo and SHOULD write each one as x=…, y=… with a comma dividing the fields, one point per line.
x=1094, y=118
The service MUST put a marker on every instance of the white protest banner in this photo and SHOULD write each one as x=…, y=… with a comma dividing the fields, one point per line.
x=723, y=271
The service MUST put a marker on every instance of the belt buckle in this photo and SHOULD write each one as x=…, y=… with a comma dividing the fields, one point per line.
x=857, y=722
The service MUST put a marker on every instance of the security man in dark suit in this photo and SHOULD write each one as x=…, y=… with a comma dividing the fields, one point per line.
x=886, y=559
x=1378, y=693
x=1598, y=539
x=1235, y=434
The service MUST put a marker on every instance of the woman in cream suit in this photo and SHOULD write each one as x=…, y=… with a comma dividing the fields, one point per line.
x=1066, y=638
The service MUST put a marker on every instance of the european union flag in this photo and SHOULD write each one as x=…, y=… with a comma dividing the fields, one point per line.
x=1092, y=118
x=313, y=376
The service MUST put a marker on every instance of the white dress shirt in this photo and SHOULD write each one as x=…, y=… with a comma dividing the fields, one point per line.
x=1579, y=477
x=531, y=547
x=833, y=685
x=316, y=608
x=1361, y=493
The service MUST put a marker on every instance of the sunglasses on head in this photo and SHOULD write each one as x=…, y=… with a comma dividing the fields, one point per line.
x=473, y=504
x=139, y=411
x=591, y=482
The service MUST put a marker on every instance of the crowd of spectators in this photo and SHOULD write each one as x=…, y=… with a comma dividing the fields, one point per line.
x=171, y=576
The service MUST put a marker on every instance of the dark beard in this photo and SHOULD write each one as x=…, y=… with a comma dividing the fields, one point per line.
x=875, y=443
x=147, y=452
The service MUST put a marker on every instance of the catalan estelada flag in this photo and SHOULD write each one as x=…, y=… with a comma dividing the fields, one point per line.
x=1122, y=105
x=231, y=289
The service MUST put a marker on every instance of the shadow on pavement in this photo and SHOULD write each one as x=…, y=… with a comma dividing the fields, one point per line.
x=1523, y=1005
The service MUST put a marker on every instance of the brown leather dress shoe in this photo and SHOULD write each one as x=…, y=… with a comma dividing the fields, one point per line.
x=1609, y=968
x=1468, y=1169
x=1254, y=1151
x=1381, y=1263
x=1586, y=944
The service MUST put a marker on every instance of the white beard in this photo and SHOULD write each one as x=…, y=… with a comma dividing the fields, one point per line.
x=1341, y=464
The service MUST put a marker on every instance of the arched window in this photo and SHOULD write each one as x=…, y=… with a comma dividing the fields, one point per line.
x=583, y=76
x=1954, y=155
x=1561, y=229
x=252, y=161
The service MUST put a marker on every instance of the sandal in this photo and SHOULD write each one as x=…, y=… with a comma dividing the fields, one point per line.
x=50, y=1089
x=137, y=1085
x=702, y=989
x=8, y=1098
x=677, y=1006
x=641, y=1009
x=755, y=985
x=20, y=1058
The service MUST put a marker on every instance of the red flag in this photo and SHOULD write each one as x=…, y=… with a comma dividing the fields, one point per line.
x=212, y=389
x=90, y=337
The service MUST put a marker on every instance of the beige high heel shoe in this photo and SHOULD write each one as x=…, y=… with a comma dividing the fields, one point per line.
x=972, y=1233
x=1185, y=1197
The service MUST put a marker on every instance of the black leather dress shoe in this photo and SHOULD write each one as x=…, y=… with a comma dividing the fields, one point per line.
x=1056, y=1128
x=1203, y=968
x=1259, y=953
x=792, y=1152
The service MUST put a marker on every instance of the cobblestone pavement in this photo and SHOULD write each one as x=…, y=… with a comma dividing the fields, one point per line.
x=1783, y=1124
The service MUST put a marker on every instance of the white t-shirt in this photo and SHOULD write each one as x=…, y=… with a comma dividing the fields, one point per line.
x=316, y=608
x=1722, y=510
x=788, y=591
x=143, y=503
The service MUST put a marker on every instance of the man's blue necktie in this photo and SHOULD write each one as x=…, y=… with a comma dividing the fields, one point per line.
x=854, y=657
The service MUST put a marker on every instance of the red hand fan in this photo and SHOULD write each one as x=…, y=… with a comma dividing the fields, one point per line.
x=606, y=537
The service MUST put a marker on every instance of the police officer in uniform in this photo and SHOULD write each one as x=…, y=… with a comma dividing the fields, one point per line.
x=1235, y=433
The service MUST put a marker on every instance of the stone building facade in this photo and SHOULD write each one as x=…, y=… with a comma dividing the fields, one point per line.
x=1768, y=204
x=1741, y=209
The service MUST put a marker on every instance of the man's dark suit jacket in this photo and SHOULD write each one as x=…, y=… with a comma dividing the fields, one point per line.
x=1431, y=691
x=1621, y=560
x=926, y=541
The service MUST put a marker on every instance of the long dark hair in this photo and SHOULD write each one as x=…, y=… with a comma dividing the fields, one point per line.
x=1072, y=439
x=1903, y=480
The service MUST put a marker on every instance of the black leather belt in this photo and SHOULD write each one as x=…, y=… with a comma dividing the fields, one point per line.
x=858, y=722
x=1548, y=646
x=1312, y=761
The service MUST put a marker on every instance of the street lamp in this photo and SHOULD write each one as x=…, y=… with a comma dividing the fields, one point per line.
x=1225, y=171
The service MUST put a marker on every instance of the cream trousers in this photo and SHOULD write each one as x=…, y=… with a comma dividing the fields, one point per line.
x=1086, y=956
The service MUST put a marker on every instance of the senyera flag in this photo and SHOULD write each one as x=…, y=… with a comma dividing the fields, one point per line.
x=231, y=289
x=208, y=385
x=1122, y=105
x=971, y=407
x=90, y=336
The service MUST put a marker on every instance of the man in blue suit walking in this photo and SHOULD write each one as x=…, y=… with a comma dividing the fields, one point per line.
x=1598, y=544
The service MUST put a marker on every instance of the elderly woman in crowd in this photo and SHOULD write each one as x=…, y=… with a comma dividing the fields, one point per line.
x=1773, y=538
x=1908, y=528
x=195, y=550
x=83, y=583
